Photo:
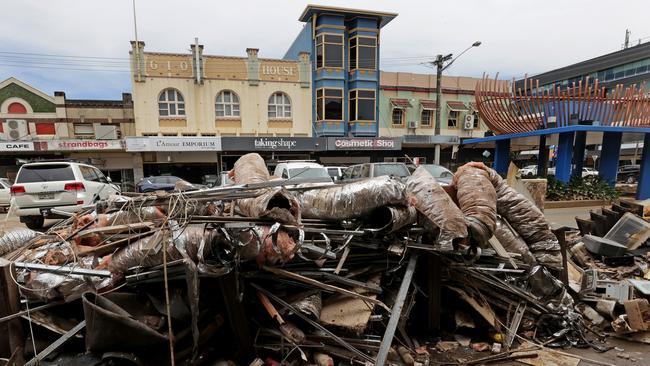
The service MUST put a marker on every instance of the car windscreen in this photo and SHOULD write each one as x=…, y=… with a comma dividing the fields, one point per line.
x=308, y=172
x=397, y=170
x=438, y=171
x=45, y=173
x=333, y=172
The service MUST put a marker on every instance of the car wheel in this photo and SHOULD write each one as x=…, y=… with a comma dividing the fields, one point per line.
x=35, y=222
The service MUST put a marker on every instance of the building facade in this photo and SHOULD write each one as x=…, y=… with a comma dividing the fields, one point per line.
x=37, y=126
x=627, y=67
x=407, y=110
x=343, y=45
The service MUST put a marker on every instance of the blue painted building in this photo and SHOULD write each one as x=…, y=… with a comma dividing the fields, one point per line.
x=344, y=50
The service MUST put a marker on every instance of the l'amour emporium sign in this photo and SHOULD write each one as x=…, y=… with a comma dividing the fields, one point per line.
x=173, y=144
x=337, y=143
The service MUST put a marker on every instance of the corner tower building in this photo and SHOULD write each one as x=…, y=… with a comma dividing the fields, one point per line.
x=344, y=50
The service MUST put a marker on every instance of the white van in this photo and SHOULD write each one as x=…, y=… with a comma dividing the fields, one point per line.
x=62, y=186
x=300, y=169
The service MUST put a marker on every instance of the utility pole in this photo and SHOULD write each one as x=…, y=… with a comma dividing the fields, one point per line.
x=137, y=45
x=440, y=67
x=438, y=63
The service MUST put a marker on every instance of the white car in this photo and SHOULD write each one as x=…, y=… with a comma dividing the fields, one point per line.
x=528, y=171
x=60, y=186
x=336, y=172
x=301, y=169
x=5, y=194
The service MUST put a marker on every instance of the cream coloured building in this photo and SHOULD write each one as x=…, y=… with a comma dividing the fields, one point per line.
x=198, y=95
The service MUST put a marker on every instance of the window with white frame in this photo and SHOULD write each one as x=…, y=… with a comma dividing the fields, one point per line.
x=452, y=119
x=279, y=106
x=227, y=104
x=476, y=121
x=82, y=130
x=398, y=116
x=171, y=103
x=426, y=117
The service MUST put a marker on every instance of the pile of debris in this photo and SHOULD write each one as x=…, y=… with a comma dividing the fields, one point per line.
x=271, y=271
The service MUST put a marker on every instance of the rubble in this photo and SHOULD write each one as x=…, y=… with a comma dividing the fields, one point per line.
x=272, y=271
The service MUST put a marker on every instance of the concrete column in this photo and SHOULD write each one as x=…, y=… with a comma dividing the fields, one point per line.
x=579, y=153
x=138, y=170
x=542, y=157
x=564, y=156
x=643, y=189
x=502, y=156
x=609, y=155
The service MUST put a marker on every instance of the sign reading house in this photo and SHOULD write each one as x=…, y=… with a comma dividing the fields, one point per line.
x=270, y=143
x=339, y=143
x=173, y=144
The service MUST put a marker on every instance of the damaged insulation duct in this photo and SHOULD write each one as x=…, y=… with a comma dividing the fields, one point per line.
x=274, y=203
x=425, y=194
x=352, y=200
x=392, y=218
x=14, y=239
x=526, y=219
x=477, y=200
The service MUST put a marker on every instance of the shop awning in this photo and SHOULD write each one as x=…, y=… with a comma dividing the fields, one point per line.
x=457, y=106
x=400, y=103
x=428, y=104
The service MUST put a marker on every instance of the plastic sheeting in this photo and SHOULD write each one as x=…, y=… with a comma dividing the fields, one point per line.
x=477, y=200
x=526, y=219
x=425, y=194
x=16, y=238
x=351, y=200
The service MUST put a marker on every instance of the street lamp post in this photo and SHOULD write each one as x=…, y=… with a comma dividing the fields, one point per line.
x=440, y=67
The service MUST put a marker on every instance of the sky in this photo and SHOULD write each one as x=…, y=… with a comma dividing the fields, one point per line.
x=81, y=46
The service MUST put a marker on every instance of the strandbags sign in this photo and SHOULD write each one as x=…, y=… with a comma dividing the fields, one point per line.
x=173, y=144
x=80, y=145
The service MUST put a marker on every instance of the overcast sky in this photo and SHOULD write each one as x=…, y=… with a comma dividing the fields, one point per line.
x=518, y=36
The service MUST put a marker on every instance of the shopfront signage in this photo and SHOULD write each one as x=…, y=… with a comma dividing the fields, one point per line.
x=17, y=146
x=270, y=143
x=173, y=144
x=80, y=145
x=277, y=70
x=335, y=143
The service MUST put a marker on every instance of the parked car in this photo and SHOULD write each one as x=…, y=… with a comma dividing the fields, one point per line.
x=41, y=188
x=5, y=194
x=371, y=170
x=336, y=172
x=300, y=169
x=442, y=174
x=528, y=171
x=157, y=183
x=629, y=173
x=587, y=173
x=210, y=180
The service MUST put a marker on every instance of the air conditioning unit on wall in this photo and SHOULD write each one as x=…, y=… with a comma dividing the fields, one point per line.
x=16, y=129
x=413, y=124
x=468, y=122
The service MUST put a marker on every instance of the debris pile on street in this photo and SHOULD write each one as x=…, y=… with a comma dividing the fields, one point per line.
x=270, y=271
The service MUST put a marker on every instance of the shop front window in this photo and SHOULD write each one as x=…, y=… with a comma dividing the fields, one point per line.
x=171, y=103
x=363, y=53
x=329, y=104
x=329, y=50
x=362, y=105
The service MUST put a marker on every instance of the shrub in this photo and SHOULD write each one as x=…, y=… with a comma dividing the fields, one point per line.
x=579, y=189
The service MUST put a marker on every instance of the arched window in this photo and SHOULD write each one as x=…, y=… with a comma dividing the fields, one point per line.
x=171, y=103
x=227, y=104
x=17, y=108
x=279, y=106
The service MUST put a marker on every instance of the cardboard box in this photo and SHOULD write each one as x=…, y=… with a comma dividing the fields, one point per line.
x=638, y=314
